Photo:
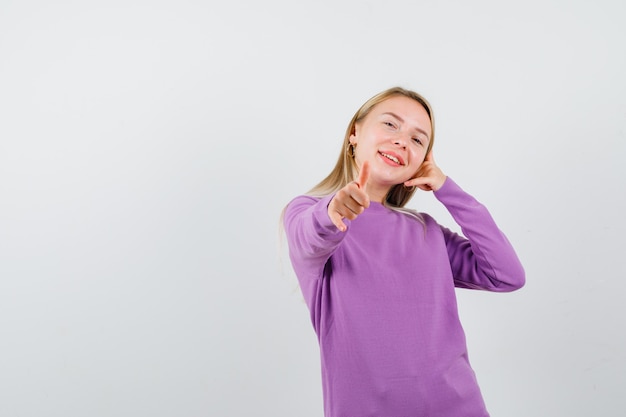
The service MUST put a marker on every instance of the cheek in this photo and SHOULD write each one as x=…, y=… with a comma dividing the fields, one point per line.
x=417, y=157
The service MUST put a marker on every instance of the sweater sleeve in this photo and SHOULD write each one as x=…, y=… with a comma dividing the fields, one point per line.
x=484, y=258
x=312, y=238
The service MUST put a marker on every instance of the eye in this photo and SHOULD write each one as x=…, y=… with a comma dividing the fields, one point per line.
x=418, y=141
x=389, y=124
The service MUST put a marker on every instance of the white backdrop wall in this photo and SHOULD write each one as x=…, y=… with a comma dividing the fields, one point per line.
x=148, y=147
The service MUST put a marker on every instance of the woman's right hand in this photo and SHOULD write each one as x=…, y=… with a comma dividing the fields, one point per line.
x=350, y=201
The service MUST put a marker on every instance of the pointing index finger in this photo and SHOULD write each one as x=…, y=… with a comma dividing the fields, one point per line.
x=364, y=175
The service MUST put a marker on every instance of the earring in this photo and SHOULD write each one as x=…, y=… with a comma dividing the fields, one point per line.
x=350, y=150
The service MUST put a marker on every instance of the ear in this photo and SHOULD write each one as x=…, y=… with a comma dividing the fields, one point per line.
x=353, y=135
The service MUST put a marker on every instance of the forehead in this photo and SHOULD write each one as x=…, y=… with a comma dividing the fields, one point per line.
x=402, y=106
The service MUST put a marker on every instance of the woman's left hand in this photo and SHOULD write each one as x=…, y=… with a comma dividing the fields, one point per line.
x=429, y=177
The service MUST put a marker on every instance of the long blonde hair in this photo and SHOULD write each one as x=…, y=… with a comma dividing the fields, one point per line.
x=346, y=169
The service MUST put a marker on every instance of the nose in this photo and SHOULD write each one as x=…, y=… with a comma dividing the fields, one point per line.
x=401, y=140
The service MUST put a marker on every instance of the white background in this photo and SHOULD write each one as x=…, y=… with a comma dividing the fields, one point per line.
x=148, y=147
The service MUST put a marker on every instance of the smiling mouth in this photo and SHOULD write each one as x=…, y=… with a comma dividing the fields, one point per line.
x=391, y=158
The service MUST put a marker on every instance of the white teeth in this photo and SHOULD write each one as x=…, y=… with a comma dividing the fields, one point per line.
x=393, y=158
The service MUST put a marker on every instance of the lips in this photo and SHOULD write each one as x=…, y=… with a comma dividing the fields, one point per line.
x=392, y=157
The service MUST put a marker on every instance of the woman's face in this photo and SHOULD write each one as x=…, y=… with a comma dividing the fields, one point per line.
x=394, y=138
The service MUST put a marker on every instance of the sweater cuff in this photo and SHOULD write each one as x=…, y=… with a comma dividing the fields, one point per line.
x=449, y=187
x=321, y=216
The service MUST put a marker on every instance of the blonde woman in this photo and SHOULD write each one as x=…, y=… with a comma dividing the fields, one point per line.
x=379, y=279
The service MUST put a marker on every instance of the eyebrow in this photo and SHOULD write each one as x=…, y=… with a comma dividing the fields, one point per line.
x=392, y=114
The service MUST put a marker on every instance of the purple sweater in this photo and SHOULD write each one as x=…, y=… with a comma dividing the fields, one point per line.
x=383, y=305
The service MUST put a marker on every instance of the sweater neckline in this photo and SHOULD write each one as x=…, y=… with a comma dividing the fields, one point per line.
x=377, y=207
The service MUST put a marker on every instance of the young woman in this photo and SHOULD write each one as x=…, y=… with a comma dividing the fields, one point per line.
x=379, y=279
